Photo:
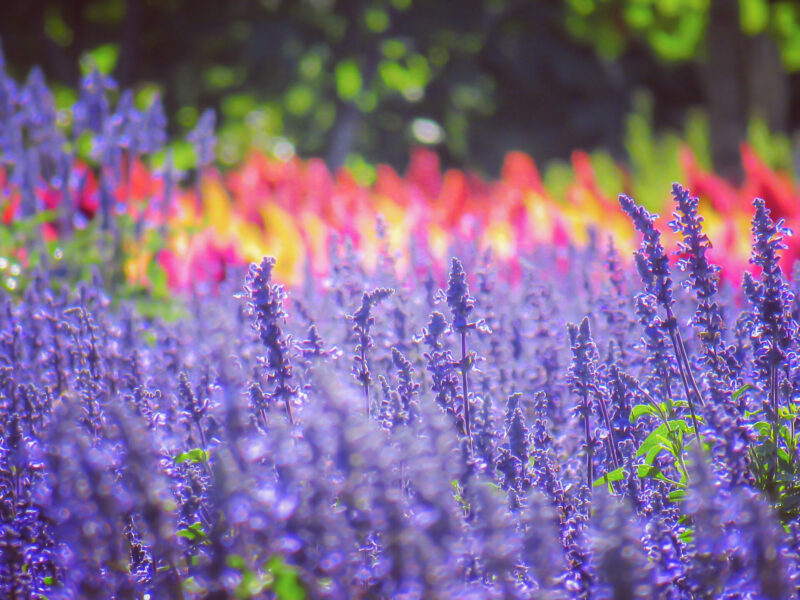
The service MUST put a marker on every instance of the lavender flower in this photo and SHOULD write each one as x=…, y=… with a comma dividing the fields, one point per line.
x=461, y=305
x=624, y=572
x=266, y=303
x=654, y=263
x=195, y=409
x=203, y=139
x=655, y=346
x=362, y=324
x=514, y=453
x=407, y=387
x=703, y=280
x=441, y=366
x=152, y=134
x=515, y=429
x=653, y=266
x=583, y=383
x=38, y=113
x=92, y=109
x=771, y=300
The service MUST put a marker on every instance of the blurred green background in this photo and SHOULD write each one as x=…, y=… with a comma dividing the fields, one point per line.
x=361, y=81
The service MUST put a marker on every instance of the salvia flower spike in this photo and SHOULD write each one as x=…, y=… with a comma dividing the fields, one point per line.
x=703, y=280
x=362, y=325
x=266, y=300
x=461, y=305
x=771, y=298
x=653, y=265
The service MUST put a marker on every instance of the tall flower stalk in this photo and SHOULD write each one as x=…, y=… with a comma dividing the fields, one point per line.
x=461, y=305
x=702, y=280
x=771, y=300
x=653, y=265
x=440, y=365
x=362, y=325
x=266, y=303
x=583, y=381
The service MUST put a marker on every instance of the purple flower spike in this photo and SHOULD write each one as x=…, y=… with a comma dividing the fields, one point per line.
x=266, y=303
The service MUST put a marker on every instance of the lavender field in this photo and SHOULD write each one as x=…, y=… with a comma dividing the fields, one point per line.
x=575, y=421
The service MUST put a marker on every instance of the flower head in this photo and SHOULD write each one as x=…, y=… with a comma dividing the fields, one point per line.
x=652, y=260
x=458, y=299
x=203, y=139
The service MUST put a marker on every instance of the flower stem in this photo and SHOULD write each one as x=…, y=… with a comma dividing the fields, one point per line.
x=688, y=387
x=465, y=386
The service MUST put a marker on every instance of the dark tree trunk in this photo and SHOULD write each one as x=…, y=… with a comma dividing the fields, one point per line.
x=343, y=135
x=724, y=76
x=767, y=83
x=126, y=72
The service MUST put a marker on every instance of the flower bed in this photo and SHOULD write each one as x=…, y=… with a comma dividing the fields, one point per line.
x=547, y=419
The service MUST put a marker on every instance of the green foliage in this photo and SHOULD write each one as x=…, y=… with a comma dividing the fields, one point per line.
x=286, y=584
x=654, y=160
x=754, y=16
x=195, y=455
x=774, y=462
x=672, y=435
x=194, y=532
x=675, y=29
x=348, y=79
x=361, y=170
x=785, y=20
x=773, y=148
x=458, y=495
x=104, y=58
x=87, y=251
x=281, y=74
x=617, y=474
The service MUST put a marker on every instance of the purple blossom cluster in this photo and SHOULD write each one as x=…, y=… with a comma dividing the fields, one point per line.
x=230, y=454
x=39, y=144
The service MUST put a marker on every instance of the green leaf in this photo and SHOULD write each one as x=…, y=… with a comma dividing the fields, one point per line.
x=195, y=455
x=287, y=584
x=615, y=475
x=657, y=437
x=745, y=388
x=157, y=276
x=753, y=16
x=393, y=49
x=191, y=585
x=677, y=495
x=193, y=533
x=236, y=562
x=647, y=471
x=348, y=79
x=376, y=19
x=653, y=453
x=104, y=58
x=300, y=99
x=680, y=425
x=687, y=535
x=762, y=427
x=642, y=409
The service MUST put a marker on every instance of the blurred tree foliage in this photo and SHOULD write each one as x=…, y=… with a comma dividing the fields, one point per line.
x=744, y=51
x=361, y=80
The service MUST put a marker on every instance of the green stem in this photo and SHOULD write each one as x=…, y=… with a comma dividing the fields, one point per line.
x=465, y=387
